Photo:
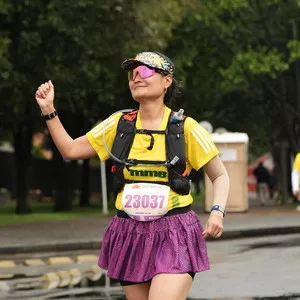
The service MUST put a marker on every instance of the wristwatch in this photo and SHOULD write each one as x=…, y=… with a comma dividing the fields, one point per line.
x=218, y=208
x=50, y=115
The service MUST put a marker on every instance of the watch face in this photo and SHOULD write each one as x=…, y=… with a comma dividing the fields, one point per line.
x=218, y=208
x=50, y=115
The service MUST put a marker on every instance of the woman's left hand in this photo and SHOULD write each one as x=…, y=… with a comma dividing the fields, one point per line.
x=213, y=226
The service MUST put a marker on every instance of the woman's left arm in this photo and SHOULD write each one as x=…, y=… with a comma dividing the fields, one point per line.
x=218, y=175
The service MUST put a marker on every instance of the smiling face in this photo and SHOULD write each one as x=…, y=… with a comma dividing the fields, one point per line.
x=151, y=87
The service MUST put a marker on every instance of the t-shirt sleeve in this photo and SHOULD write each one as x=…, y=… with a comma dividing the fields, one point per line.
x=296, y=165
x=101, y=137
x=200, y=147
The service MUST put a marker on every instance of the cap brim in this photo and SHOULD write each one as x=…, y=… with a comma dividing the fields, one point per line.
x=130, y=64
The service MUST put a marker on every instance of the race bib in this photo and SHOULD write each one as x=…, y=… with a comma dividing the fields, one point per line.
x=145, y=201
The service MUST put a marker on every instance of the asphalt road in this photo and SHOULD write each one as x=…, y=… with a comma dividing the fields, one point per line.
x=253, y=267
x=264, y=267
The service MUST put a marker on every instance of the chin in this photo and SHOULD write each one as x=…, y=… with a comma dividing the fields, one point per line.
x=136, y=100
x=138, y=97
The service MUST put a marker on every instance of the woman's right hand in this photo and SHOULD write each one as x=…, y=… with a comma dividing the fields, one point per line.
x=45, y=97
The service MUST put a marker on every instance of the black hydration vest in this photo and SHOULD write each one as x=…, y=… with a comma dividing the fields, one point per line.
x=175, y=152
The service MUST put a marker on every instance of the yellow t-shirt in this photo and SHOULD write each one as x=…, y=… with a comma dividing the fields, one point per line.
x=199, y=148
x=296, y=165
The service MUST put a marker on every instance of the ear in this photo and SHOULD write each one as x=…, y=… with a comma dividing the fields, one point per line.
x=168, y=80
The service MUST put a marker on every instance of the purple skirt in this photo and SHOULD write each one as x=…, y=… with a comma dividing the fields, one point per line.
x=137, y=251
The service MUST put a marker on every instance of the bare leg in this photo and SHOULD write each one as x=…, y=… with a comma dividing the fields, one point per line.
x=137, y=291
x=170, y=286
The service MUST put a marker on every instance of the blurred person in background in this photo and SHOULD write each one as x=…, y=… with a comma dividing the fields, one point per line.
x=262, y=183
x=155, y=244
x=274, y=186
x=295, y=179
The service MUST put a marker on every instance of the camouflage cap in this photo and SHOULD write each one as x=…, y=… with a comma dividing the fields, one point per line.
x=152, y=59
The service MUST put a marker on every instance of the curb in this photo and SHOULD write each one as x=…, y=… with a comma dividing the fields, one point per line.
x=259, y=232
x=96, y=244
x=59, y=246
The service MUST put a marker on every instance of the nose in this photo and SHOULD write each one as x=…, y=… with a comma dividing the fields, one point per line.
x=136, y=76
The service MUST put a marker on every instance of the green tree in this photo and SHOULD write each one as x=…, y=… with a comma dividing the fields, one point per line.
x=239, y=64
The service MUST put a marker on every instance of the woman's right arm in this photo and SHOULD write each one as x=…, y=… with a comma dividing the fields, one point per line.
x=69, y=148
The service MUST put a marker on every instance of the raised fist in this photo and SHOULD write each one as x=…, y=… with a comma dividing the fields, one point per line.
x=45, y=97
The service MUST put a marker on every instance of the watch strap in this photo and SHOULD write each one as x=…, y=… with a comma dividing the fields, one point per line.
x=218, y=208
x=49, y=116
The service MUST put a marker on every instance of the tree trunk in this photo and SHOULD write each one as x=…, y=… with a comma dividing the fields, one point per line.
x=85, y=184
x=284, y=172
x=22, y=145
x=63, y=199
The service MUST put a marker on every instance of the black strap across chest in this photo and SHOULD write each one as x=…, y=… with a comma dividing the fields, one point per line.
x=175, y=144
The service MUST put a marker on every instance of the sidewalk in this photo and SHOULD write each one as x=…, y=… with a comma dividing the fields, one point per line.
x=87, y=232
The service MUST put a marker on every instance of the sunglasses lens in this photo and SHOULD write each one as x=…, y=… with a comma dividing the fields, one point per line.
x=130, y=75
x=143, y=71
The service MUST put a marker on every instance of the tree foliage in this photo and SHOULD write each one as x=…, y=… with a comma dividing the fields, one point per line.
x=238, y=62
x=79, y=45
x=249, y=48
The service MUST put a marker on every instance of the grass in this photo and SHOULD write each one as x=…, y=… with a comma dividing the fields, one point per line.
x=42, y=212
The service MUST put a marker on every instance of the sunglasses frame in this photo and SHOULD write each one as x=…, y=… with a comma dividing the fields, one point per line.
x=132, y=76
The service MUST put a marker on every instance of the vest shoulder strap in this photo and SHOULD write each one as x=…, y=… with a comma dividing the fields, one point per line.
x=124, y=135
x=175, y=142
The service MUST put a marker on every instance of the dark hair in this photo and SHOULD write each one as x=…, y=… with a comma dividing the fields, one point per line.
x=174, y=89
x=172, y=92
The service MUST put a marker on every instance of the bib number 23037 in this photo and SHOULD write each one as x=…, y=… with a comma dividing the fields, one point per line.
x=145, y=201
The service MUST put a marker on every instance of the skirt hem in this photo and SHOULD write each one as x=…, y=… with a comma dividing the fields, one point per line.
x=156, y=273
